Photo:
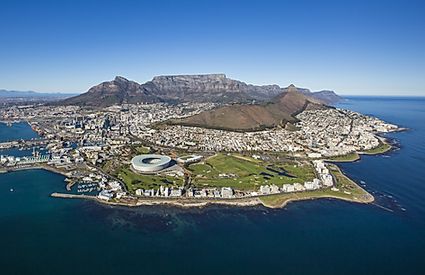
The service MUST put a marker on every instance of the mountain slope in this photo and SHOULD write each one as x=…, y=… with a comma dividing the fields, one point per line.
x=251, y=117
x=329, y=97
x=117, y=91
x=325, y=96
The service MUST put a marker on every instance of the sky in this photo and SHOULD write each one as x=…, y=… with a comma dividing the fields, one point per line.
x=351, y=47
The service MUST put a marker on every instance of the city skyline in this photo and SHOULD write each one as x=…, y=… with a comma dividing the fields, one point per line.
x=356, y=48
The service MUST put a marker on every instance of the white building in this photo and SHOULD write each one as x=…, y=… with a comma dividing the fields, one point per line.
x=274, y=189
x=105, y=195
x=287, y=188
x=227, y=192
x=265, y=189
x=176, y=192
x=298, y=187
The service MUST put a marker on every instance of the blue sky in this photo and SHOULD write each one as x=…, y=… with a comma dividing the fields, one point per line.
x=352, y=47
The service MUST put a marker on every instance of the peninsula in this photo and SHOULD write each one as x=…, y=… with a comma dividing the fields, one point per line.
x=194, y=140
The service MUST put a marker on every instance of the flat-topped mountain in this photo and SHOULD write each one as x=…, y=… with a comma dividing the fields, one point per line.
x=251, y=117
x=209, y=88
x=177, y=88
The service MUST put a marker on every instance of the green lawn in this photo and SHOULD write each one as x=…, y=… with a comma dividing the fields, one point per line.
x=248, y=158
x=142, y=150
x=224, y=163
x=246, y=172
x=346, y=184
x=135, y=181
x=345, y=158
x=382, y=148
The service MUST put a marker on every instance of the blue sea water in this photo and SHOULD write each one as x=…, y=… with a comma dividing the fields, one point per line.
x=43, y=235
x=18, y=130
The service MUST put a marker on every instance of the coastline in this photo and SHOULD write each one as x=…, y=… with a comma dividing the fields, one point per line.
x=179, y=202
x=386, y=146
x=200, y=203
x=270, y=201
x=287, y=201
x=360, y=195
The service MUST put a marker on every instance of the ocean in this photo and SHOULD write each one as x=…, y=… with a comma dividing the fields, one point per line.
x=20, y=130
x=44, y=235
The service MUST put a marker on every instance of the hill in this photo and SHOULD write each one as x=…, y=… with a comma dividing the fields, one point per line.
x=325, y=96
x=329, y=97
x=251, y=117
x=118, y=91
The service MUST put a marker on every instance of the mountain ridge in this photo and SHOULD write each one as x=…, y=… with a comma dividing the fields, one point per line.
x=215, y=88
x=13, y=93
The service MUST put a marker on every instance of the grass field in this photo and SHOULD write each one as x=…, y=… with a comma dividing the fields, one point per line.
x=343, y=183
x=244, y=173
x=142, y=150
x=382, y=148
x=134, y=181
x=345, y=158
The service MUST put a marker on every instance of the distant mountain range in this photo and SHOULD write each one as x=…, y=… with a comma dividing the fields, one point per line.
x=32, y=94
x=280, y=111
x=215, y=88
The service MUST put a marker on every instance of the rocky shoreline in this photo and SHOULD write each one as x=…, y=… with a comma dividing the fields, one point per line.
x=200, y=203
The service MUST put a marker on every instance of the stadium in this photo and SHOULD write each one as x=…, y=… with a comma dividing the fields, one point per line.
x=150, y=163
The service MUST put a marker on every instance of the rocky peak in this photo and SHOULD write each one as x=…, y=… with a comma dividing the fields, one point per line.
x=291, y=89
x=121, y=79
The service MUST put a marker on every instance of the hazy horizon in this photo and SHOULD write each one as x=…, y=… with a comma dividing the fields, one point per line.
x=341, y=93
x=346, y=46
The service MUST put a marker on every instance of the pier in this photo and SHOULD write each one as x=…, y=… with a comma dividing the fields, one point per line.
x=72, y=196
x=23, y=143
